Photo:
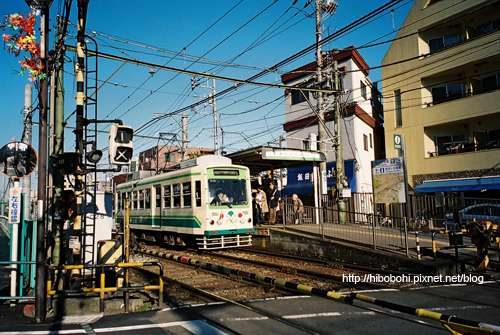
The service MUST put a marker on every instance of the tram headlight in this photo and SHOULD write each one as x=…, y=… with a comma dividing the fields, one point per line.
x=249, y=220
x=212, y=222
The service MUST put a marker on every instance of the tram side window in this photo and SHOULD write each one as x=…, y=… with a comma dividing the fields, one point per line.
x=134, y=200
x=141, y=199
x=197, y=191
x=167, y=200
x=158, y=196
x=147, y=198
x=177, y=195
x=186, y=194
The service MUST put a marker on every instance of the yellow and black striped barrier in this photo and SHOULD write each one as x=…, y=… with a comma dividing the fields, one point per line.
x=102, y=289
x=450, y=322
x=253, y=276
x=433, y=237
x=453, y=324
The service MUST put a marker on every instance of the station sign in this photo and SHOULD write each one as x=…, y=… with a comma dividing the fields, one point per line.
x=15, y=204
x=397, y=142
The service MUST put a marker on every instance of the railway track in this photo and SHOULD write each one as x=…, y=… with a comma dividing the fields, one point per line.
x=188, y=285
x=192, y=284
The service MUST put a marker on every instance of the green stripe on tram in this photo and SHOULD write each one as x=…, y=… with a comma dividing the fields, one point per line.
x=229, y=231
x=182, y=221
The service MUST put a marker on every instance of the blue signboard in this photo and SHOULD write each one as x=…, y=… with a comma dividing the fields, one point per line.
x=299, y=180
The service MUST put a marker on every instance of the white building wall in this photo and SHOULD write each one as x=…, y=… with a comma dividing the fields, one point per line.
x=352, y=127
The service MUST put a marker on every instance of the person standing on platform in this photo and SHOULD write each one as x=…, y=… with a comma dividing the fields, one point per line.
x=273, y=198
x=256, y=208
x=264, y=208
x=298, y=209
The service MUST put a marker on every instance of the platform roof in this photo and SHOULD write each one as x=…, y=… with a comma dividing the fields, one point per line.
x=265, y=158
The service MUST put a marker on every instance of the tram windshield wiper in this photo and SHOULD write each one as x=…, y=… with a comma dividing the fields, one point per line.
x=227, y=204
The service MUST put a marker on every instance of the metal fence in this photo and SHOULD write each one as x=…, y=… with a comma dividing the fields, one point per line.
x=355, y=222
x=383, y=225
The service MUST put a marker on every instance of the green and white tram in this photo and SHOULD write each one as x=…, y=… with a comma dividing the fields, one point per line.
x=206, y=203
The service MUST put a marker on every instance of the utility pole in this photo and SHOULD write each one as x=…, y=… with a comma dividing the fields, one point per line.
x=184, y=128
x=320, y=103
x=28, y=98
x=57, y=145
x=213, y=104
x=41, y=252
x=339, y=152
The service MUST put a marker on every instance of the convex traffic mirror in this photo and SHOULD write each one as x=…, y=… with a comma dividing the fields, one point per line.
x=17, y=160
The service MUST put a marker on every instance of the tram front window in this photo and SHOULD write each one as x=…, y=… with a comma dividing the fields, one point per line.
x=224, y=192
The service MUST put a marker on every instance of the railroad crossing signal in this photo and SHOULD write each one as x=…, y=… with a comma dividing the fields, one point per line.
x=120, y=145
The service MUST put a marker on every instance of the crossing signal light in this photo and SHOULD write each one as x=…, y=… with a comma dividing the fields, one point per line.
x=120, y=145
x=66, y=205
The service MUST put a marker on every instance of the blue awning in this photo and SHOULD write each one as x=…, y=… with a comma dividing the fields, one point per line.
x=458, y=185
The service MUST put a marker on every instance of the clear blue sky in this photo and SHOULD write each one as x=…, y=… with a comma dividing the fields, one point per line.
x=125, y=28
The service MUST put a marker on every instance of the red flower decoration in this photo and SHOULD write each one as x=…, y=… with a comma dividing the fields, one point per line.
x=23, y=39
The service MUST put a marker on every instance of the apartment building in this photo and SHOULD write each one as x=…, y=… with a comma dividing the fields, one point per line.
x=361, y=125
x=441, y=79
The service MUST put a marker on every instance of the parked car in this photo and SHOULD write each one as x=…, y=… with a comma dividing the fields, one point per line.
x=481, y=212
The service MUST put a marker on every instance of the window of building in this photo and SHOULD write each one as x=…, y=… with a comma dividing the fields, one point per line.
x=436, y=44
x=170, y=157
x=305, y=145
x=446, y=93
x=433, y=2
x=176, y=190
x=397, y=108
x=488, y=26
x=167, y=199
x=186, y=194
x=371, y=140
x=493, y=138
x=298, y=97
x=363, y=90
x=449, y=144
x=365, y=142
x=490, y=83
x=157, y=196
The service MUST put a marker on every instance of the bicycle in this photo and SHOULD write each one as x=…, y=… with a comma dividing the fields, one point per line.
x=418, y=223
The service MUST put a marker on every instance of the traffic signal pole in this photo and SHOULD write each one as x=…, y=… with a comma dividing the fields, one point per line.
x=80, y=121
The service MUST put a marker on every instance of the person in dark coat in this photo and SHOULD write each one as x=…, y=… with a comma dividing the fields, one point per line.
x=273, y=198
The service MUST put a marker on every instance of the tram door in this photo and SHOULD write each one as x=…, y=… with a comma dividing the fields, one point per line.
x=156, y=217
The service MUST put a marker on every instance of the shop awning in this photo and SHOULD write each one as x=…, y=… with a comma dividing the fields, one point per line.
x=459, y=185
